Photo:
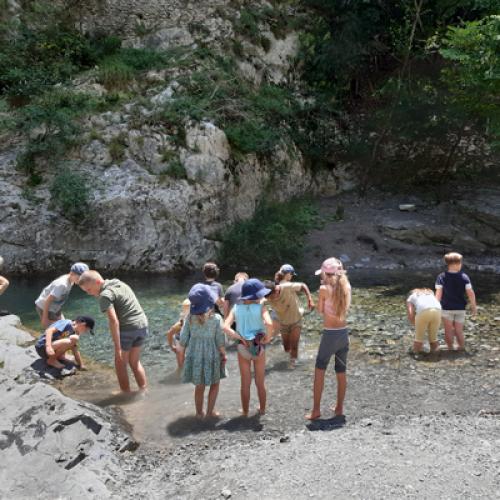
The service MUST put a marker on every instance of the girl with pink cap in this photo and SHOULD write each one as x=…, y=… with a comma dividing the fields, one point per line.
x=333, y=304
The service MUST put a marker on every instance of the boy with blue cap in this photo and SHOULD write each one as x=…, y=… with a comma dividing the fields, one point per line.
x=60, y=337
x=50, y=302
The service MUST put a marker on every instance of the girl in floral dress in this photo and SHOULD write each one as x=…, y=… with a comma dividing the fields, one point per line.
x=202, y=340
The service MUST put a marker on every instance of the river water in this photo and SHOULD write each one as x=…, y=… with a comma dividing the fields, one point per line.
x=379, y=331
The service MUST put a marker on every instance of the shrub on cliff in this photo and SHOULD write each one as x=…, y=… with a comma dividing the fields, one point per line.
x=70, y=194
x=272, y=236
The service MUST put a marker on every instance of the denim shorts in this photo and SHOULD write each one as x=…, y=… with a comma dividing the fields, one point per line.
x=333, y=342
x=41, y=351
x=132, y=338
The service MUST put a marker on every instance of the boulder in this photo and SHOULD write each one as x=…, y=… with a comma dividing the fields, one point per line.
x=51, y=445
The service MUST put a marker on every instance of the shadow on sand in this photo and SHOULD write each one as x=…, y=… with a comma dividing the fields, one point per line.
x=186, y=426
x=327, y=424
x=434, y=357
x=45, y=371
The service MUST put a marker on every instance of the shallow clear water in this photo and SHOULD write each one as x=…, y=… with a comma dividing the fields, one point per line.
x=378, y=324
x=159, y=296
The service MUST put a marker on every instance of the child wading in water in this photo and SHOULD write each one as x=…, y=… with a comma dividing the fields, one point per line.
x=424, y=311
x=334, y=302
x=253, y=330
x=452, y=288
x=204, y=354
x=285, y=274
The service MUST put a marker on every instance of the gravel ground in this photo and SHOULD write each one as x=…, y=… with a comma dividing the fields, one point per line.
x=414, y=429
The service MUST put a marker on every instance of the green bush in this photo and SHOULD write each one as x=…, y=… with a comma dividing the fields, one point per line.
x=176, y=170
x=272, y=236
x=42, y=49
x=70, y=194
x=117, y=147
x=115, y=74
x=50, y=127
x=254, y=119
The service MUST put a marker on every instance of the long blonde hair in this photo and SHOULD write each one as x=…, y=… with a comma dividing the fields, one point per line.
x=338, y=291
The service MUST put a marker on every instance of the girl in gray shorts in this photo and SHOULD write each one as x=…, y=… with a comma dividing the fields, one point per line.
x=333, y=304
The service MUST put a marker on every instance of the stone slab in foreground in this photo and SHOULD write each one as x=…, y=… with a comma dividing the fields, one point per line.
x=50, y=445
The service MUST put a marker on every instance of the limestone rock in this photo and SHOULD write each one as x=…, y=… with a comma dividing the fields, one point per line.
x=46, y=435
x=207, y=139
x=166, y=38
x=204, y=168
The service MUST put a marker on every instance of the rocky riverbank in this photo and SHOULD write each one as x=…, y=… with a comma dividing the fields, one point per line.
x=372, y=232
x=424, y=427
x=50, y=445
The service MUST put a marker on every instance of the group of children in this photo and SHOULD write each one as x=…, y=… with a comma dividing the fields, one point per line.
x=426, y=309
x=201, y=344
x=199, y=337
x=209, y=317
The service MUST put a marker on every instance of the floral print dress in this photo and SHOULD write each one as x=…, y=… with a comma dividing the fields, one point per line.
x=202, y=364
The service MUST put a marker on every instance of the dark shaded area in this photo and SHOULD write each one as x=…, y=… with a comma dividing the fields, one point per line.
x=327, y=424
x=87, y=421
x=186, y=426
x=45, y=371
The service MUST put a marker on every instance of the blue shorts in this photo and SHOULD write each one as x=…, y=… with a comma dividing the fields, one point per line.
x=41, y=351
x=333, y=342
x=132, y=338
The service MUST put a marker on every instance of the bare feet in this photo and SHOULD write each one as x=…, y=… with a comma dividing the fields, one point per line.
x=261, y=412
x=338, y=410
x=213, y=414
x=243, y=413
x=292, y=364
x=313, y=415
x=57, y=365
x=200, y=415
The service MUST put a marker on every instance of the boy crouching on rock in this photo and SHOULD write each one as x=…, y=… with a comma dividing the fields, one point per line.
x=62, y=336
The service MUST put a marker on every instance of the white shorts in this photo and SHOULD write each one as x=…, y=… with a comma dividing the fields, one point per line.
x=457, y=316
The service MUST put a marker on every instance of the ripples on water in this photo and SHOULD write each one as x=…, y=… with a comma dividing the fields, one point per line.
x=162, y=296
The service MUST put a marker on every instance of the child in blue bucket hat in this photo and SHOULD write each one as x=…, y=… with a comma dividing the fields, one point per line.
x=203, y=348
x=253, y=331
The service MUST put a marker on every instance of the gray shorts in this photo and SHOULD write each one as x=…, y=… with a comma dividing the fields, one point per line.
x=333, y=342
x=457, y=316
x=132, y=338
x=53, y=316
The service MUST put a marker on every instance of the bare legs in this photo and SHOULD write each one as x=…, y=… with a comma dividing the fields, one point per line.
x=60, y=347
x=259, y=365
x=319, y=382
x=132, y=358
x=291, y=343
x=199, y=393
x=454, y=329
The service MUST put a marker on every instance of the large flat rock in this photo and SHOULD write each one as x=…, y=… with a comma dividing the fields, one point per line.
x=50, y=445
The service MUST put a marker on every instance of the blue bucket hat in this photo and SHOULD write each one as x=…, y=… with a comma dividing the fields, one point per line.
x=253, y=289
x=79, y=268
x=201, y=298
x=288, y=268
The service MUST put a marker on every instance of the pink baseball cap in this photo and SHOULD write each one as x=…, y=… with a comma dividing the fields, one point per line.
x=330, y=266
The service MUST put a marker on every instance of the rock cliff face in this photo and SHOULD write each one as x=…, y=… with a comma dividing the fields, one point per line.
x=140, y=219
